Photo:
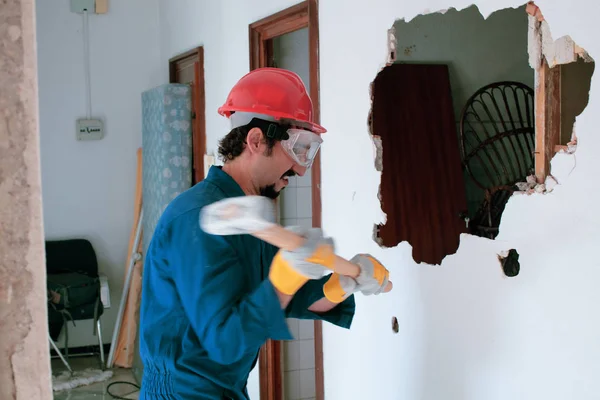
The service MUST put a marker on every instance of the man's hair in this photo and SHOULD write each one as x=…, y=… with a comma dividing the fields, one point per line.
x=234, y=143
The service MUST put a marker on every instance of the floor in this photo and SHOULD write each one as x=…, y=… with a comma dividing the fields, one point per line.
x=95, y=390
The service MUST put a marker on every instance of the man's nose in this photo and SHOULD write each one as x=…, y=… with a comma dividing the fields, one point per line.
x=299, y=169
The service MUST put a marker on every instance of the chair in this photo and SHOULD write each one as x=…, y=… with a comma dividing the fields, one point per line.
x=73, y=263
x=497, y=133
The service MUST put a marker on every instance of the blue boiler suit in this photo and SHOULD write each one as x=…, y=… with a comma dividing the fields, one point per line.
x=207, y=303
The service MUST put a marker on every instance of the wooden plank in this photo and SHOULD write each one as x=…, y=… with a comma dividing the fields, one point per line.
x=125, y=347
x=553, y=107
x=547, y=118
x=540, y=122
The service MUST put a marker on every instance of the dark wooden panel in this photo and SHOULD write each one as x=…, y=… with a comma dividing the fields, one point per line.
x=422, y=187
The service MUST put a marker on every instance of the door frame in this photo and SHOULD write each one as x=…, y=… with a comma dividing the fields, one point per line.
x=301, y=15
x=198, y=108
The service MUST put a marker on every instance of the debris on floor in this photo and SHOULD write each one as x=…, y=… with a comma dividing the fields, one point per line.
x=67, y=380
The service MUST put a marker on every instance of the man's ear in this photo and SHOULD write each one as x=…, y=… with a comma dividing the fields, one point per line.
x=254, y=141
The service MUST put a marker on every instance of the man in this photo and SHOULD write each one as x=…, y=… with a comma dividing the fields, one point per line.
x=210, y=302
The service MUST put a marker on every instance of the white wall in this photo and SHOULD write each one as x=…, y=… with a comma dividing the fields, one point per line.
x=466, y=331
x=88, y=187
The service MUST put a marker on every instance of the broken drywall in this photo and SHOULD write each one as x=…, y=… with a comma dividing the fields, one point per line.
x=560, y=51
x=24, y=353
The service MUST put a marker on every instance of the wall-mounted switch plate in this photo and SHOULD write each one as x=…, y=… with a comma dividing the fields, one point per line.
x=90, y=129
x=77, y=6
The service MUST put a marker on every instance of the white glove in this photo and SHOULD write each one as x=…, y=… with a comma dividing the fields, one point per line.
x=373, y=277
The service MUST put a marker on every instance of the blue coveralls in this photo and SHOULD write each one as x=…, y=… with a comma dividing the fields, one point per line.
x=208, y=305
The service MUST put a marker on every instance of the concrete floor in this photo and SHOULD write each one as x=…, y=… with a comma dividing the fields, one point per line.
x=95, y=390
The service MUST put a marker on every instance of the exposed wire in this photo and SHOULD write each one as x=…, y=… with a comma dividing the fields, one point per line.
x=86, y=55
x=114, y=396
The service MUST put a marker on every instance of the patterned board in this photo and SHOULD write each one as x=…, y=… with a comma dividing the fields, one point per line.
x=167, y=160
x=167, y=150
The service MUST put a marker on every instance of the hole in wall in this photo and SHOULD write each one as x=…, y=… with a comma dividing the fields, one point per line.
x=453, y=122
x=395, y=327
x=510, y=263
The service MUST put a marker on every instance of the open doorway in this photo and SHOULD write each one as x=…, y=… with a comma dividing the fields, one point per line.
x=460, y=123
x=188, y=68
x=289, y=39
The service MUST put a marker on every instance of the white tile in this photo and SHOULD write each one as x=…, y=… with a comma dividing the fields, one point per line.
x=294, y=327
x=289, y=203
x=306, y=329
x=304, y=203
x=304, y=222
x=307, y=383
x=292, y=181
x=289, y=221
x=304, y=181
x=291, y=355
x=291, y=381
x=307, y=354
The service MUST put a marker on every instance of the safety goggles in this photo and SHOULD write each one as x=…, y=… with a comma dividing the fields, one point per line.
x=302, y=146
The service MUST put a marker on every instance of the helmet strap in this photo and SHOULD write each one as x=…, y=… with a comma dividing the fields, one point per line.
x=270, y=129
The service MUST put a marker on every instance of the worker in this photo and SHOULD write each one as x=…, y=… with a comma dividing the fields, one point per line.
x=210, y=302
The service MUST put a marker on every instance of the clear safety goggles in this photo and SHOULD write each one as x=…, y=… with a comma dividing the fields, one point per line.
x=302, y=146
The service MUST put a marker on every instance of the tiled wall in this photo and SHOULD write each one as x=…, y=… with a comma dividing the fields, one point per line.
x=296, y=202
x=291, y=52
x=299, y=354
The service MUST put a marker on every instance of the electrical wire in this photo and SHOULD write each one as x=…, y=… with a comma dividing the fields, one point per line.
x=114, y=396
x=86, y=55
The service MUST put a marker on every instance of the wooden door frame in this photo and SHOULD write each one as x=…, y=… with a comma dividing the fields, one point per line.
x=299, y=16
x=198, y=107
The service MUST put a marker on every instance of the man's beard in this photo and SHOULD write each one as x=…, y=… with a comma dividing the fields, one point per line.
x=270, y=192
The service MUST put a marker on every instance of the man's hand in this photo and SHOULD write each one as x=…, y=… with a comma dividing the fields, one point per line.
x=290, y=270
x=372, y=279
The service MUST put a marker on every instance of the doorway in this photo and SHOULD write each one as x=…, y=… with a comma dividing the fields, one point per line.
x=290, y=39
x=188, y=68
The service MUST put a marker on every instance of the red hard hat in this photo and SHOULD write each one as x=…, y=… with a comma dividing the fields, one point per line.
x=272, y=91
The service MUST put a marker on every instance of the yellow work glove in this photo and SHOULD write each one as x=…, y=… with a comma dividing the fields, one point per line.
x=290, y=270
x=339, y=287
x=373, y=278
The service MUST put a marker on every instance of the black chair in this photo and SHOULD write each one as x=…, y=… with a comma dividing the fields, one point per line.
x=72, y=263
x=497, y=132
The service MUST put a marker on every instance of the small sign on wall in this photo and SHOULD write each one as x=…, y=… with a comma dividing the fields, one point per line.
x=90, y=129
